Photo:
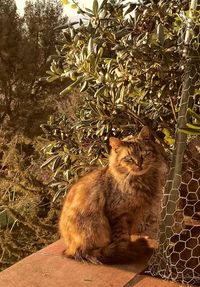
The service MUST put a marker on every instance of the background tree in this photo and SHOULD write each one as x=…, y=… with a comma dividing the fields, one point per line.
x=26, y=45
x=26, y=216
x=10, y=54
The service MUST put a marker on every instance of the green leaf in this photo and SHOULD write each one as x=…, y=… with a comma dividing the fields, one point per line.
x=121, y=33
x=49, y=160
x=84, y=86
x=56, y=163
x=131, y=8
x=192, y=126
x=104, y=2
x=160, y=34
x=72, y=86
x=95, y=7
x=52, y=78
x=195, y=115
x=50, y=73
x=99, y=92
x=90, y=46
x=189, y=131
x=99, y=55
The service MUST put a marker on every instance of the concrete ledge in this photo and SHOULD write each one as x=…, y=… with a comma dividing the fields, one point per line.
x=48, y=268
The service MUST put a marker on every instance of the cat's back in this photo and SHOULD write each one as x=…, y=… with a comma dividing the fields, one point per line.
x=89, y=188
x=82, y=221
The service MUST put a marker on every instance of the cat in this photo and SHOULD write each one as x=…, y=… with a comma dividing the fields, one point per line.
x=102, y=207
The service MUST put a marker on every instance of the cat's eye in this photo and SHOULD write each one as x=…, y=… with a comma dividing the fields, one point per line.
x=147, y=152
x=128, y=159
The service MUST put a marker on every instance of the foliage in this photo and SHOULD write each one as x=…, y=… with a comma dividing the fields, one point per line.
x=11, y=35
x=192, y=128
x=126, y=61
x=119, y=67
x=26, y=44
x=27, y=212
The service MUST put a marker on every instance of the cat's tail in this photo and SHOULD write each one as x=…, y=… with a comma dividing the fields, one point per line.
x=121, y=252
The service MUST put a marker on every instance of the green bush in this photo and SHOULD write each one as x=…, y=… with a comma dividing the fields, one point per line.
x=125, y=64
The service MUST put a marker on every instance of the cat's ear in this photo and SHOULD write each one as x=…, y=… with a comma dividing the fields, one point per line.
x=144, y=134
x=115, y=143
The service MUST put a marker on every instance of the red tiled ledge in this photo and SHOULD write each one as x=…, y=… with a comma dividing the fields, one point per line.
x=48, y=268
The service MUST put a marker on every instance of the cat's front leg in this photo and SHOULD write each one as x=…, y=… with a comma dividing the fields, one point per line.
x=145, y=224
x=120, y=228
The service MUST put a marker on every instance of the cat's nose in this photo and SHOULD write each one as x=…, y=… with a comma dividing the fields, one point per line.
x=138, y=162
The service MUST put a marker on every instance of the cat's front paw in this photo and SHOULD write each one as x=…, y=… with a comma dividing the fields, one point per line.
x=149, y=221
x=140, y=246
x=142, y=227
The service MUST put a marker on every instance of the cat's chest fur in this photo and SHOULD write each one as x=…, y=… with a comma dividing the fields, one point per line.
x=130, y=194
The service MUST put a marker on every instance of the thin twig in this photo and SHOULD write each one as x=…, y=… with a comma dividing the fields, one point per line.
x=173, y=108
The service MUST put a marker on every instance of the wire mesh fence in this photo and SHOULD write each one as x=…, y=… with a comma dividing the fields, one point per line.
x=178, y=255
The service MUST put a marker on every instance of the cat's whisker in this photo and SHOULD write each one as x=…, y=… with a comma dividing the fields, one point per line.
x=93, y=260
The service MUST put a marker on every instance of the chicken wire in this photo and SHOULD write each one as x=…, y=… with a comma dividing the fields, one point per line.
x=178, y=255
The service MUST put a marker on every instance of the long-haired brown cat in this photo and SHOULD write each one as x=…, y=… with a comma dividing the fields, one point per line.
x=102, y=207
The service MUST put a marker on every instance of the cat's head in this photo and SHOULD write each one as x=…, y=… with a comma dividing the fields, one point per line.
x=137, y=154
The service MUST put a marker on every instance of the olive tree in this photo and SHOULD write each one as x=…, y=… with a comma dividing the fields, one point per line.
x=122, y=67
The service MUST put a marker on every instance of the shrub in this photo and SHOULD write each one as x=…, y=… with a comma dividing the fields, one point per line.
x=124, y=61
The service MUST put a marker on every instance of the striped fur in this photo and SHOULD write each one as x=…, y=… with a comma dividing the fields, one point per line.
x=102, y=208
